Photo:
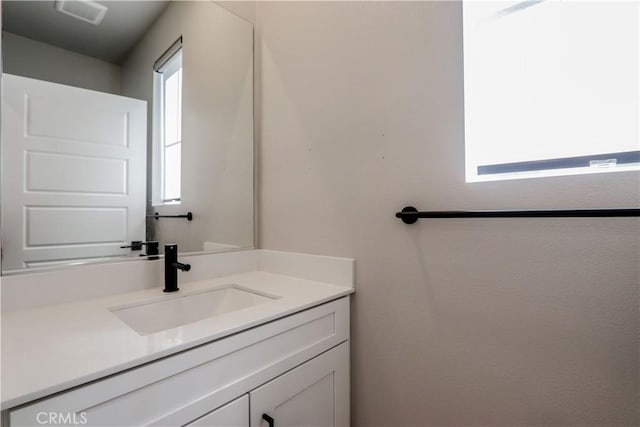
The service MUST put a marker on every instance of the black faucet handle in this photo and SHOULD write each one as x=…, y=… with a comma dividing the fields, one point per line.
x=183, y=267
x=136, y=245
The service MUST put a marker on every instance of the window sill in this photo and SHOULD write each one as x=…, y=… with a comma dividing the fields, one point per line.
x=474, y=178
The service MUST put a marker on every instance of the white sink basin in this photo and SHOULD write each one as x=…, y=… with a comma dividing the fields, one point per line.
x=172, y=310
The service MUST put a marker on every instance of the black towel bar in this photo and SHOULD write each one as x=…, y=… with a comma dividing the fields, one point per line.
x=188, y=216
x=409, y=215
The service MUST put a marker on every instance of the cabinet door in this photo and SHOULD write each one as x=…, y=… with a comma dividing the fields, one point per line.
x=314, y=394
x=233, y=414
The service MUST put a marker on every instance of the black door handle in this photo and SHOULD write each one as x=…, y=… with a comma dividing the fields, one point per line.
x=269, y=420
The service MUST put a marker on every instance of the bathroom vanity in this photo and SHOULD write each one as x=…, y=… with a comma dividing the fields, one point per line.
x=252, y=337
x=271, y=349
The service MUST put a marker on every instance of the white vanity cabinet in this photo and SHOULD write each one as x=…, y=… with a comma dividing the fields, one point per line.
x=294, y=369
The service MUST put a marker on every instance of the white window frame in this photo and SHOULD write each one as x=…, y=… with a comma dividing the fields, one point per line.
x=476, y=171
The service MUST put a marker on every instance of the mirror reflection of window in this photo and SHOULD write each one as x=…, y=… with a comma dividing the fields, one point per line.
x=168, y=123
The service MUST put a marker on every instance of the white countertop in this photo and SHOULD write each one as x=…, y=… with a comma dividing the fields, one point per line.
x=49, y=349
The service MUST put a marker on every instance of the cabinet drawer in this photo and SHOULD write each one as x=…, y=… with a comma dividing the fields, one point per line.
x=233, y=414
x=180, y=388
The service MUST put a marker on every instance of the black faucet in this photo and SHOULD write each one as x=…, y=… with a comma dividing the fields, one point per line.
x=152, y=249
x=171, y=267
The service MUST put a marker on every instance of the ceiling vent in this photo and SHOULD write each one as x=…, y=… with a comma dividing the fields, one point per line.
x=85, y=10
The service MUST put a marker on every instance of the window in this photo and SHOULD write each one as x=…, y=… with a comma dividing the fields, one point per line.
x=551, y=88
x=168, y=126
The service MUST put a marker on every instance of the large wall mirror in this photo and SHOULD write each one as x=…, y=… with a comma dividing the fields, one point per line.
x=124, y=121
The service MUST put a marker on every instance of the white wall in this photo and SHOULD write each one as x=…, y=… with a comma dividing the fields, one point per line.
x=30, y=58
x=455, y=322
x=244, y=9
x=217, y=132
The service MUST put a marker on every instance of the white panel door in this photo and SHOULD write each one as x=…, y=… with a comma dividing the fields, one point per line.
x=233, y=414
x=314, y=394
x=73, y=172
